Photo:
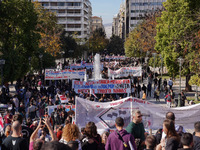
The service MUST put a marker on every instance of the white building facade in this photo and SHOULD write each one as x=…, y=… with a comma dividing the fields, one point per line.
x=135, y=10
x=73, y=15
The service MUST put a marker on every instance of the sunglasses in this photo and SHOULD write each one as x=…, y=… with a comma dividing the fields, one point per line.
x=140, y=116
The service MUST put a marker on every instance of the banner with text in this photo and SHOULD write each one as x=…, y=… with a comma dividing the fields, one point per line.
x=83, y=66
x=125, y=72
x=67, y=108
x=52, y=74
x=104, y=114
x=116, y=57
x=102, y=86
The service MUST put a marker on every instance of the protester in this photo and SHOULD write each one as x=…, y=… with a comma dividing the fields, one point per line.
x=71, y=133
x=172, y=139
x=187, y=141
x=120, y=139
x=150, y=142
x=92, y=140
x=104, y=137
x=15, y=141
x=196, y=137
x=136, y=128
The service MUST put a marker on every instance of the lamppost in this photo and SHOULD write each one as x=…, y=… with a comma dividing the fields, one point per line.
x=41, y=56
x=161, y=58
x=154, y=55
x=2, y=62
x=180, y=60
x=147, y=61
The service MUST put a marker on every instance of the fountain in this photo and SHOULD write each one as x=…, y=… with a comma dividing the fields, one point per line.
x=97, y=68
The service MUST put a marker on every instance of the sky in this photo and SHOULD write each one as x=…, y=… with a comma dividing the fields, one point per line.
x=106, y=9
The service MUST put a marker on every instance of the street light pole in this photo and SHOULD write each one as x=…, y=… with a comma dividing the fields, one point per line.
x=161, y=65
x=147, y=62
x=180, y=59
x=154, y=55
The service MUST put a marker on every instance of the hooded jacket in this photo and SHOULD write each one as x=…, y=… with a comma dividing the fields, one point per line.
x=115, y=143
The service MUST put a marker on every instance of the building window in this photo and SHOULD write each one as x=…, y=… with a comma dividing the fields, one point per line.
x=61, y=4
x=147, y=4
x=73, y=4
x=45, y=4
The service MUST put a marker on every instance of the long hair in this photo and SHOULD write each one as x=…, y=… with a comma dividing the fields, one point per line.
x=171, y=132
x=91, y=130
x=70, y=132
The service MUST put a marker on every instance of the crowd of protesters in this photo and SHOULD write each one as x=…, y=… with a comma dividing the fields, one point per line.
x=23, y=135
x=27, y=116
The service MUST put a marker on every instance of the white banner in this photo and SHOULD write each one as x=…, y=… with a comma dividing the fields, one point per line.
x=67, y=108
x=63, y=98
x=53, y=74
x=102, y=86
x=125, y=72
x=104, y=114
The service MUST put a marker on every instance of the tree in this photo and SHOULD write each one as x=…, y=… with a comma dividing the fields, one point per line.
x=142, y=38
x=116, y=45
x=68, y=45
x=49, y=30
x=176, y=30
x=97, y=42
x=18, y=36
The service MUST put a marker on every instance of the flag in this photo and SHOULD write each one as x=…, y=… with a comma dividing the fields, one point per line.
x=92, y=93
x=1, y=123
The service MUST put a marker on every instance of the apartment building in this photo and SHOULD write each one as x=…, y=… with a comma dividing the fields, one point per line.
x=97, y=23
x=73, y=15
x=115, y=24
x=118, y=25
x=135, y=10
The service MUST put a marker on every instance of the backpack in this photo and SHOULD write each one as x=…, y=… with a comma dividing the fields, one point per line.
x=169, y=98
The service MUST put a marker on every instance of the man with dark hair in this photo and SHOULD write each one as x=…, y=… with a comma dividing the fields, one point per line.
x=186, y=141
x=150, y=142
x=120, y=139
x=15, y=141
x=196, y=137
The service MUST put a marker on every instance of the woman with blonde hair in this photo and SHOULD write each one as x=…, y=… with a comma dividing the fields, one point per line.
x=71, y=133
x=172, y=139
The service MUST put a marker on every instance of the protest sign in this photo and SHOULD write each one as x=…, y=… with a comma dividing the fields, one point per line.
x=67, y=108
x=52, y=74
x=102, y=86
x=125, y=72
x=83, y=66
x=104, y=114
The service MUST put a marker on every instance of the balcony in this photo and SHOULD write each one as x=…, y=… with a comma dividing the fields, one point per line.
x=73, y=29
x=74, y=22
x=74, y=14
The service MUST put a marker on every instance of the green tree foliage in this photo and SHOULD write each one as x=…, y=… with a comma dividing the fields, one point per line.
x=142, y=38
x=18, y=37
x=116, y=45
x=176, y=30
x=69, y=45
x=49, y=30
x=98, y=41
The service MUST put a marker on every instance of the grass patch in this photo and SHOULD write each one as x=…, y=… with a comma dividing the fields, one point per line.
x=193, y=99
